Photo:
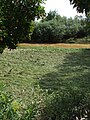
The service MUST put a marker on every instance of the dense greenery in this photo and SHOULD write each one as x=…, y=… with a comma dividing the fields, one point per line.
x=45, y=83
x=16, y=20
x=64, y=105
x=54, y=28
x=83, y=6
x=88, y=23
x=16, y=23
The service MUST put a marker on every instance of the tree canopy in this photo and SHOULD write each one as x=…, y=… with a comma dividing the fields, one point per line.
x=56, y=29
x=16, y=20
x=81, y=5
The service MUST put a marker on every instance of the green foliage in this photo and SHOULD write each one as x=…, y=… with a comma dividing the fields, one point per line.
x=88, y=23
x=50, y=16
x=47, y=32
x=60, y=105
x=55, y=28
x=9, y=108
x=16, y=19
x=67, y=105
x=81, y=5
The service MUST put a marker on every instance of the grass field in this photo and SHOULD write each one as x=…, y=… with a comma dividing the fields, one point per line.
x=29, y=73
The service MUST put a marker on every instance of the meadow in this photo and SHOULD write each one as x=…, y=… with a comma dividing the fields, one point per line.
x=54, y=81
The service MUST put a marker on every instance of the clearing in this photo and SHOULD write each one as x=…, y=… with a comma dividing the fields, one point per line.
x=31, y=70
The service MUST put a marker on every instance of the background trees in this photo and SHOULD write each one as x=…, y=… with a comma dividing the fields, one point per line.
x=17, y=16
x=55, y=28
x=83, y=6
x=16, y=20
x=88, y=23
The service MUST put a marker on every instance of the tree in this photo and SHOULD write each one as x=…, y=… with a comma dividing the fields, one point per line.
x=51, y=15
x=16, y=20
x=81, y=5
x=88, y=23
x=59, y=29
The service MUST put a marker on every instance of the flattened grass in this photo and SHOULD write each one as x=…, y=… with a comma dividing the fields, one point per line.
x=29, y=71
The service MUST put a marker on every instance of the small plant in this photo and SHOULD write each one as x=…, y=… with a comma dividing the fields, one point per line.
x=9, y=108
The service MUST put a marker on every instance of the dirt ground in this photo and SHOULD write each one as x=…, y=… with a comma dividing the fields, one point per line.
x=62, y=45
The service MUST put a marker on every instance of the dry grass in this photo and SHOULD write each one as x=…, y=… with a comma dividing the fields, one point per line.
x=62, y=45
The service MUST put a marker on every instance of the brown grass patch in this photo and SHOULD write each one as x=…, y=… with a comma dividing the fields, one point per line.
x=62, y=45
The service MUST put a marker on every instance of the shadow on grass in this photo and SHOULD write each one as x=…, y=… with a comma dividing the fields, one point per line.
x=74, y=73
x=71, y=85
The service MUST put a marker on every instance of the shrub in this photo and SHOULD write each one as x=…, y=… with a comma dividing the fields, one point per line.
x=70, y=104
x=8, y=107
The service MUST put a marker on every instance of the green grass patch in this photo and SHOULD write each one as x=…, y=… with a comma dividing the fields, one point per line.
x=38, y=74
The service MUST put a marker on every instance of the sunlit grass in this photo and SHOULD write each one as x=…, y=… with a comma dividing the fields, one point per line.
x=29, y=71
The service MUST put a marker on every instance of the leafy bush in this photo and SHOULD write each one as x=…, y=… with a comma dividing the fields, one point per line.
x=11, y=109
x=8, y=108
x=60, y=105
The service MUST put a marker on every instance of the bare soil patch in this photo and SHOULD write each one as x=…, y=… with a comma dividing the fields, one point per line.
x=62, y=45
